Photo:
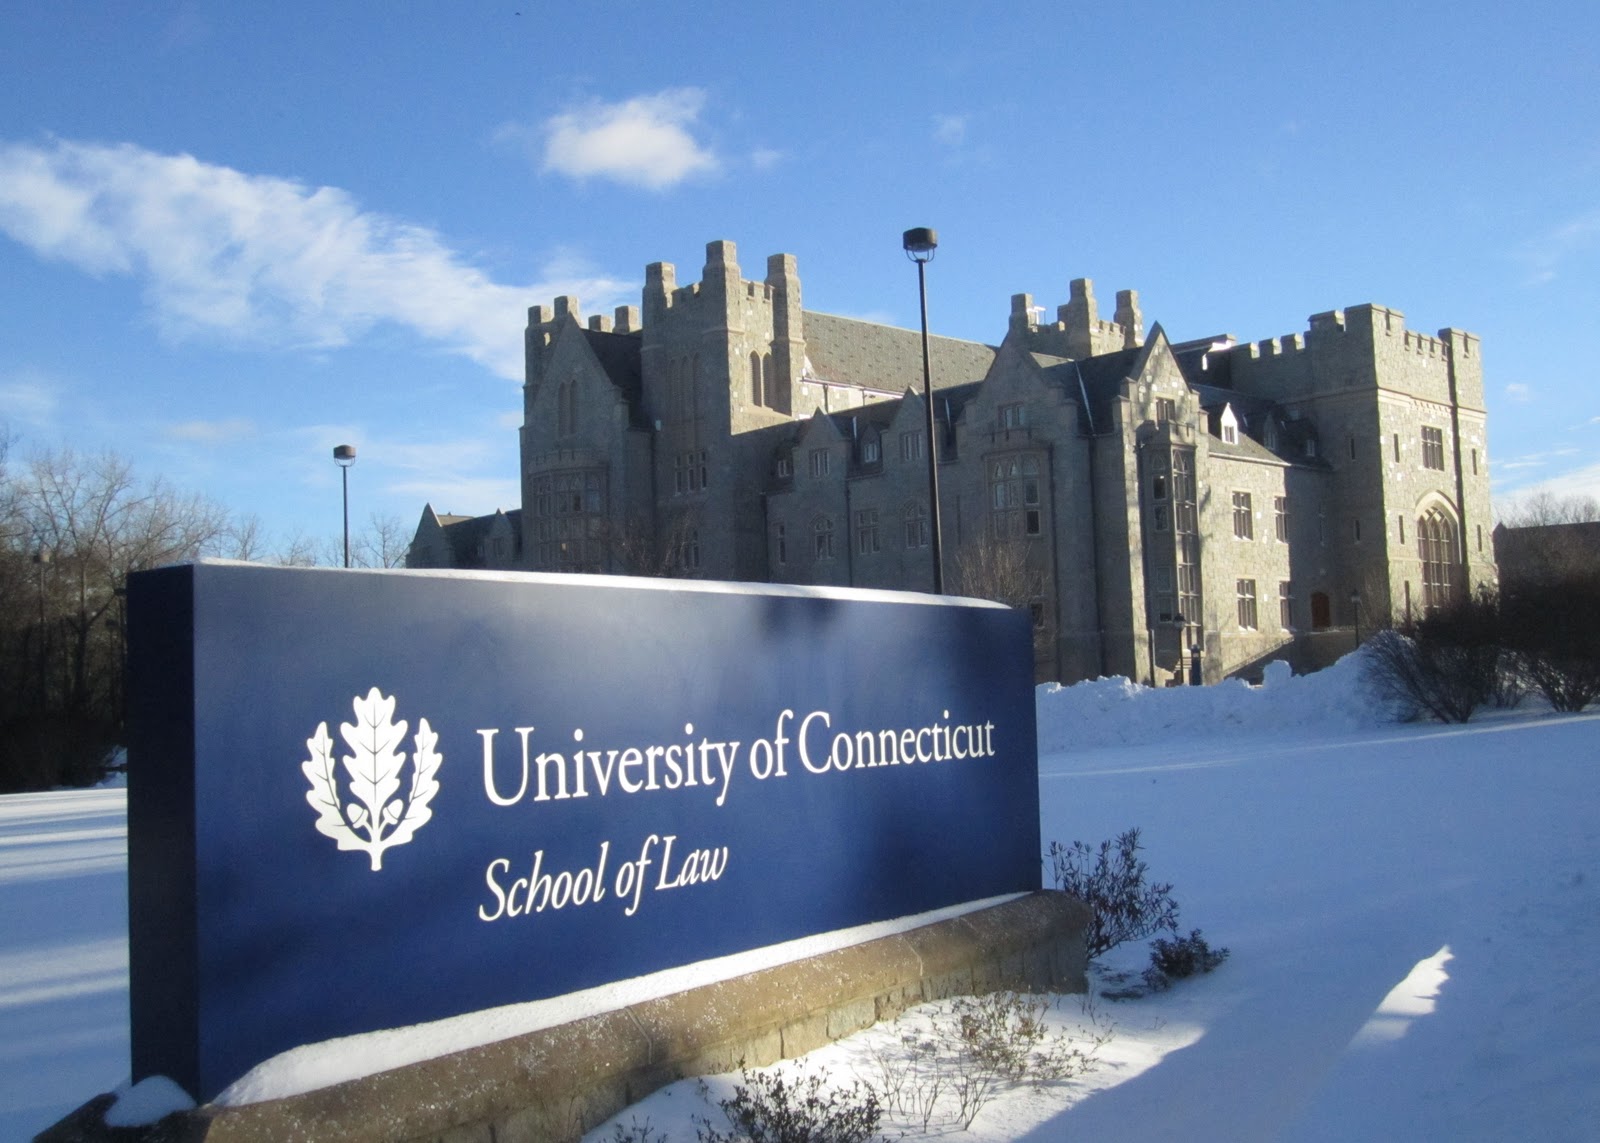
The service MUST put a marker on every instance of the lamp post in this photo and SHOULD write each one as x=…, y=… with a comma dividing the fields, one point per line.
x=919, y=245
x=41, y=558
x=344, y=456
x=1355, y=610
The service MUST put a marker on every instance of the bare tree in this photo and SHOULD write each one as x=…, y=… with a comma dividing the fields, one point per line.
x=77, y=527
x=383, y=544
x=1537, y=509
x=1007, y=571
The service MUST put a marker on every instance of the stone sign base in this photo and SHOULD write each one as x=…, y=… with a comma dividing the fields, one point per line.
x=552, y=1086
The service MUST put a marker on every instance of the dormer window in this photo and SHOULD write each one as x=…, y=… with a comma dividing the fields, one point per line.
x=1230, y=425
x=871, y=451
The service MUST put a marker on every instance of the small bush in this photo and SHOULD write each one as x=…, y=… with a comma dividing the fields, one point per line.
x=976, y=1048
x=767, y=1108
x=1111, y=881
x=1553, y=625
x=1446, y=664
x=637, y=1132
x=1179, y=958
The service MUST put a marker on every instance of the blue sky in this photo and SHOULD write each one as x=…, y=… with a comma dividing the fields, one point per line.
x=233, y=235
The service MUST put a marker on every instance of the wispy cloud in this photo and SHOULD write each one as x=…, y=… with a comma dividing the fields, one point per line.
x=646, y=141
x=1545, y=254
x=1580, y=481
x=257, y=258
x=211, y=432
x=950, y=130
x=28, y=398
x=1518, y=393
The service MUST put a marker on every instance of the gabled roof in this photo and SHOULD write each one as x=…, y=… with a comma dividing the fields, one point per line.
x=465, y=535
x=618, y=355
x=884, y=357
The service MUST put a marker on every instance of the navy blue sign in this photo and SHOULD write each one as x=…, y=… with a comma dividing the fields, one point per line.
x=359, y=800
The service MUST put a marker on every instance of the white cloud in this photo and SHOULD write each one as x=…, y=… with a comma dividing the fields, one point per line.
x=212, y=432
x=1518, y=393
x=1545, y=254
x=260, y=259
x=950, y=130
x=644, y=141
x=28, y=397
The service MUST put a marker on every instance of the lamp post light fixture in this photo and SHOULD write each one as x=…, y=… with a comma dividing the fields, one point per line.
x=344, y=456
x=920, y=245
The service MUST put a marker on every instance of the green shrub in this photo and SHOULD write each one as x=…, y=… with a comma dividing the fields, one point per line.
x=1111, y=881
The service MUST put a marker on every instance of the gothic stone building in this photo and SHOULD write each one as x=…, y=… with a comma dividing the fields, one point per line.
x=1150, y=502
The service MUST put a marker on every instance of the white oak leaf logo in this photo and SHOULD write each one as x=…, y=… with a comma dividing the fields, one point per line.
x=369, y=810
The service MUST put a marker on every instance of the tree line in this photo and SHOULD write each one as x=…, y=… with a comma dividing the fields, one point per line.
x=73, y=527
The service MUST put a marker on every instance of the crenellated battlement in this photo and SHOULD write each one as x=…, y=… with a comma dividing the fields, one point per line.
x=1078, y=330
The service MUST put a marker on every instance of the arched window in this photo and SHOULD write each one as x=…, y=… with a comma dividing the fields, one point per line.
x=1436, y=546
x=757, y=394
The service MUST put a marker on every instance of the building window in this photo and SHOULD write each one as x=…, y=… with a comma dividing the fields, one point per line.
x=690, y=471
x=568, y=521
x=819, y=462
x=1164, y=601
x=566, y=409
x=780, y=543
x=822, y=538
x=691, y=550
x=1397, y=448
x=1243, y=517
x=1433, y=448
x=1014, y=496
x=757, y=396
x=871, y=451
x=1166, y=410
x=1400, y=522
x=1352, y=447
x=1013, y=416
x=1159, y=517
x=1246, y=589
x=911, y=445
x=1280, y=517
x=867, y=531
x=1474, y=462
x=1285, y=606
x=1436, y=543
x=916, y=518
x=785, y=468
x=1321, y=612
x=1355, y=528
x=1158, y=487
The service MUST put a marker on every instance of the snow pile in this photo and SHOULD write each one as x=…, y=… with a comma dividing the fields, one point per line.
x=1118, y=712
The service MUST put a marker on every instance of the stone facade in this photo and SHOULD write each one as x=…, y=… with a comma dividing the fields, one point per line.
x=1155, y=505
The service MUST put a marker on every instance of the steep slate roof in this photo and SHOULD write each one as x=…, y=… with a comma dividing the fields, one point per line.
x=618, y=354
x=883, y=357
x=1100, y=378
x=466, y=534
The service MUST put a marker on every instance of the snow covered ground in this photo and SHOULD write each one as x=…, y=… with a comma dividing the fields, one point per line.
x=1413, y=913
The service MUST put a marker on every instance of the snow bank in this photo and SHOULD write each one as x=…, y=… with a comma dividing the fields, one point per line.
x=1118, y=712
